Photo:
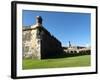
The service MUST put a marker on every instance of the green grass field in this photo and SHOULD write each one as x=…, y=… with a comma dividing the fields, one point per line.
x=77, y=61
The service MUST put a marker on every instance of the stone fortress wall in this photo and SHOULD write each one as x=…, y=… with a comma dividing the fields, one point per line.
x=50, y=46
x=38, y=43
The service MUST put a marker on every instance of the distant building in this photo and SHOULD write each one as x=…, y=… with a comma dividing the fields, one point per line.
x=38, y=43
x=75, y=49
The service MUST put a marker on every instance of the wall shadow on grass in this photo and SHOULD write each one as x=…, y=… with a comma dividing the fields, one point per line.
x=65, y=54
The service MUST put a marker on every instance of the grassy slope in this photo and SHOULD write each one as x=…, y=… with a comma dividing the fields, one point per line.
x=56, y=63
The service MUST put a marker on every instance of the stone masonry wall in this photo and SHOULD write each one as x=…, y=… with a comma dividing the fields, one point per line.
x=31, y=44
x=38, y=43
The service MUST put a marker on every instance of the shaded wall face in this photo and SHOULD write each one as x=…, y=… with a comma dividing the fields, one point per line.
x=50, y=47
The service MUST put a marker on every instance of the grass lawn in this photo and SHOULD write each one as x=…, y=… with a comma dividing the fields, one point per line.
x=77, y=61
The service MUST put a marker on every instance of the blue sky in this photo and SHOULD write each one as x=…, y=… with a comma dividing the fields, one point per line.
x=65, y=26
